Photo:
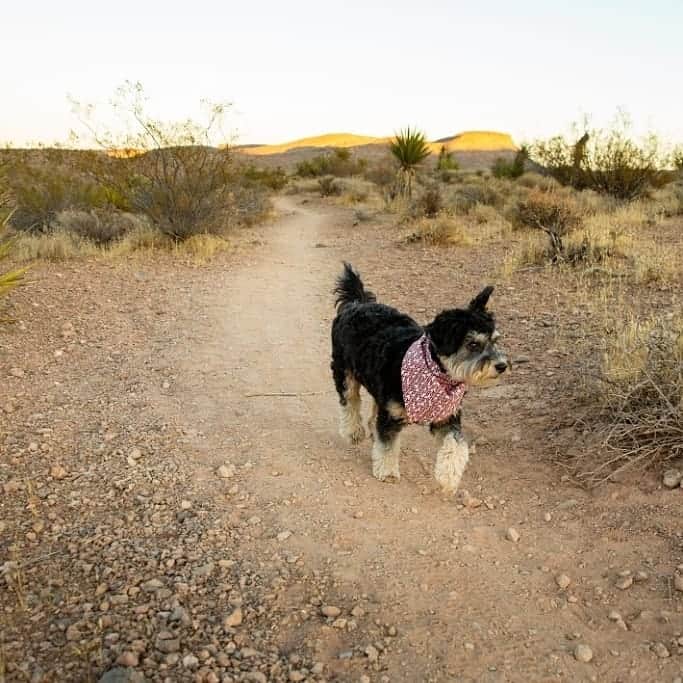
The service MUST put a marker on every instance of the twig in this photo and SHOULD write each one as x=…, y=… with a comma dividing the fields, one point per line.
x=286, y=394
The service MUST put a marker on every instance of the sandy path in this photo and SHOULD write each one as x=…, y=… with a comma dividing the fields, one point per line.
x=468, y=605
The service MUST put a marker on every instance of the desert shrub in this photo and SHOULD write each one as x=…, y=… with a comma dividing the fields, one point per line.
x=430, y=202
x=466, y=195
x=504, y=168
x=441, y=230
x=99, y=226
x=639, y=397
x=554, y=213
x=57, y=245
x=677, y=158
x=329, y=186
x=41, y=191
x=446, y=161
x=339, y=162
x=669, y=200
x=356, y=189
x=382, y=173
x=531, y=179
x=271, y=178
x=483, y=213
x=296, y=186
x=609, y=162
x=174, y=173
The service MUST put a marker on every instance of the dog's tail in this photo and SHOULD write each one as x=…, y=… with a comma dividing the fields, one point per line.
x=350, y=289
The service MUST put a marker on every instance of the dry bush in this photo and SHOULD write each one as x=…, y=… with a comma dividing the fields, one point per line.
x=531, y=179
x=356, y=189
x=639, y=397
x=329, y=186
x=669, y=200
x=464, y=196
x=307, y=185
x=430, y=202
x=382, y=173
x=483, y=213
x=441, y=230
x=101, y=227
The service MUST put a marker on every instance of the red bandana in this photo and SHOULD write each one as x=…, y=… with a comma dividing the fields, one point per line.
x=429, y=394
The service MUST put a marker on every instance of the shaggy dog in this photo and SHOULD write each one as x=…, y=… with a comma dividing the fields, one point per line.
x=414, y=374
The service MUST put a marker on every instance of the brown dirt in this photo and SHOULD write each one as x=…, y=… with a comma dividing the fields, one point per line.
x=201, y=367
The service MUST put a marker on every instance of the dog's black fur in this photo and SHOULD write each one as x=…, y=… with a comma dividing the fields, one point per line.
x=370, y=339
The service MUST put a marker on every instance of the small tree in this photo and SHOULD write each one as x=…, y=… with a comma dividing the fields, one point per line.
x=410, y=149
x=176, y=173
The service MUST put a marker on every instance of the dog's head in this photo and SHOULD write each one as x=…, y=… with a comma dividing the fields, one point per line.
x=465, y=342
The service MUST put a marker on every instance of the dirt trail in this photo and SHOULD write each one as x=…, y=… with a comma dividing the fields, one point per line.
x=468, y=604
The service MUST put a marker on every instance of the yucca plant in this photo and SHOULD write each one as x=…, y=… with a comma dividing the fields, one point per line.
x=410, y=149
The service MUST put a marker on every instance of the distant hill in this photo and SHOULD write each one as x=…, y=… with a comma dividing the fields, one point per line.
x=473, y=149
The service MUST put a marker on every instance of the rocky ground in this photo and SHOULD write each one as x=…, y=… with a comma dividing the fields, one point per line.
x=176, y=504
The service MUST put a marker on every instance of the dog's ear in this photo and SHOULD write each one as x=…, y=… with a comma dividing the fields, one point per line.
x=479, y=302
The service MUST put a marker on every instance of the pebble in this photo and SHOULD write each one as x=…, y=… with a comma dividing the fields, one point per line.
x=226, y=471
x=512, y=535
x=661, y=650
x=121, y=675
x=330, y=611
x=547, y=517
x=624, y=582
x=234, y=619
x=364, y=679
x=563, y=581
x=283, y=535
x=583, y=653
x=372, y=653
x=127, y=658
x=190, y=662
x=167, y=643
x=57, y=472
x=672, y=478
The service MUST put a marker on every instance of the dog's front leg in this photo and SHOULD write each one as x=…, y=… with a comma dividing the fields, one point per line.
x=386, y=446
x=453, y=454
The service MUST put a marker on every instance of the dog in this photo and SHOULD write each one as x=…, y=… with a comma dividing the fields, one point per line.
x=414, y=374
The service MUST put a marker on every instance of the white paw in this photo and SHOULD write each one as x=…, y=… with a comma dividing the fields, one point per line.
x=388, y=476
x=353, y=437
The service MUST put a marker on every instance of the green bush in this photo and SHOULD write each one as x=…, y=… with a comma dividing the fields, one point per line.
x=446, y=161
x=339, y=162
x=271, y=178
x=609, y=162
x=503, y=168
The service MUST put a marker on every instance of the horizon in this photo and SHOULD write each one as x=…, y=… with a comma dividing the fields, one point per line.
x=297, y=72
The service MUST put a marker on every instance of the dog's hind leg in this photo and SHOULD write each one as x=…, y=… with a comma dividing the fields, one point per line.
x=452, y=456
x=386, y=446
x=350, y=421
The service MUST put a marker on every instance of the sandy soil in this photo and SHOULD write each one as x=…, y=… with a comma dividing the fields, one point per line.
x=177, y=502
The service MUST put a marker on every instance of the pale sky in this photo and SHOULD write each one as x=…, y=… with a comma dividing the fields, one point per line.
x=305, y=67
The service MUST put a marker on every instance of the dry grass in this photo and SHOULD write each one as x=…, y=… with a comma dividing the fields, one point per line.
x=203, y=248
x=639, y=396
x=442, y=230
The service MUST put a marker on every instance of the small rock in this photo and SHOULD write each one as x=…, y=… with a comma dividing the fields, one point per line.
x=547, y=517
x=226, y=471
x=372, y=653
x=296, y=676
x=127, y=658
x=167, y=643
x=661, y=650
x=190, y=662
x=624, y=583
x=121, y=675
x=283, y=535
x=563, y=581
x=512, y=535
x=583, y=653
x=641, y=576
x=330, y=611
x=255, y=677
x=16, y=372
x=672, y=478
x=364, y=679
x=234, y=619
x=57, y=472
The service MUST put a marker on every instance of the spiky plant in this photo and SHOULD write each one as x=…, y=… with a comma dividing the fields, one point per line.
x=410, y=149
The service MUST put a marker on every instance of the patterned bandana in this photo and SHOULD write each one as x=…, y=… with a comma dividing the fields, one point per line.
x=429, y=394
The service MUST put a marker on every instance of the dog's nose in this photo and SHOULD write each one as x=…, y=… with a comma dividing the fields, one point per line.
x=501, y=367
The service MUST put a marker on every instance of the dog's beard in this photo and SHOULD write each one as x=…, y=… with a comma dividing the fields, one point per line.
x=471, y=371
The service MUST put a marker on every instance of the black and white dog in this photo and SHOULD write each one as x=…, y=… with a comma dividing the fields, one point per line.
x=414, y=374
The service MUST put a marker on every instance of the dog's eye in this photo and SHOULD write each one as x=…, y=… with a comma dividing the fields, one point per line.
x=474, y=346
